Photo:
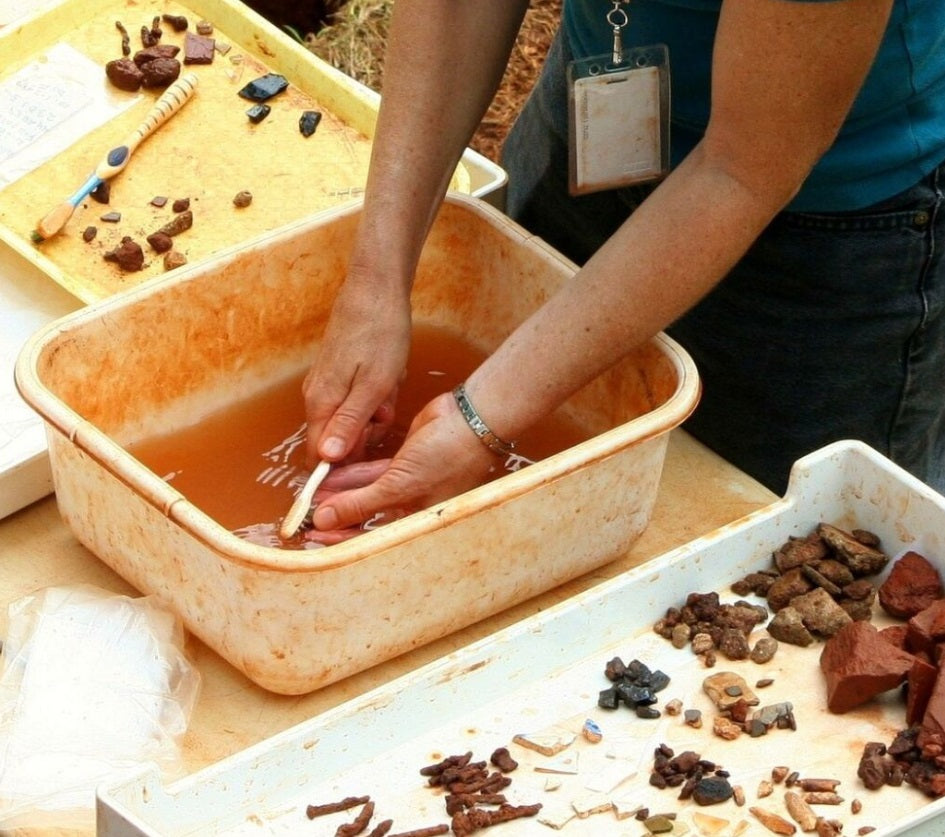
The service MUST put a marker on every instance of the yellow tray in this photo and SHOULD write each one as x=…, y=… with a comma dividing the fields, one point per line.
x=208, y=152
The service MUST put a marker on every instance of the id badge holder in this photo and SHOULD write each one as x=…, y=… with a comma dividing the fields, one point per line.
x=618, y=116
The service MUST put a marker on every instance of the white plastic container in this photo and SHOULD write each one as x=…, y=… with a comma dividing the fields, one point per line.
x=546, y=671
x=166, y=354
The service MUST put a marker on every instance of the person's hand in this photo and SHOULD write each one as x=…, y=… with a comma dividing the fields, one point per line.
x=351, y=388
x=439, y=459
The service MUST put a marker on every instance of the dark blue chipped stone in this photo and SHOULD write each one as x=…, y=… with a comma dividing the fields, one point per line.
x=264, y=87
x=659, y=680
x=257, y=113
x=608, y=699
x=308, y=122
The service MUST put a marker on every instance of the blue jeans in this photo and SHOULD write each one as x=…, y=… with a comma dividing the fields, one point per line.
x=831, y=327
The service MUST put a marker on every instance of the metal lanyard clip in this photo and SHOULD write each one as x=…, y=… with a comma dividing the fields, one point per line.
x=617, y=19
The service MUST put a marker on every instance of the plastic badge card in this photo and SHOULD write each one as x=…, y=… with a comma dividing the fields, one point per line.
x=619, y=119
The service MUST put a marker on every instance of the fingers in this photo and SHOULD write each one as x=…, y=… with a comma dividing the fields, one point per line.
x=439, y=459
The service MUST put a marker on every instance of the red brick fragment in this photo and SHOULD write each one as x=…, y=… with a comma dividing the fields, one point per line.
x=922, y=677
x=859, y=664
x=927, y=628
x=913, y=584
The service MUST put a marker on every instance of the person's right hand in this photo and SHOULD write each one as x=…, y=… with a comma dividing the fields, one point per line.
x=351, y=388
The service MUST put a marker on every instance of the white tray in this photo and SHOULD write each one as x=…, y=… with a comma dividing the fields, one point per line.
x=548, y=670
x=28, y=301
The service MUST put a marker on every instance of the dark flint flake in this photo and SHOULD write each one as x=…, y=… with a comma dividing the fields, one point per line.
x=264, y=87
x=308, y=122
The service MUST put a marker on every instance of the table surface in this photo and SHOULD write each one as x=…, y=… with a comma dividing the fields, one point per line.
x=699, y=492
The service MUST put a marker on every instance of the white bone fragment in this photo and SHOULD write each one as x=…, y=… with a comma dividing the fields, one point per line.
x=613, y=773
x=556, y=816
x=596, y=803
x=552, y=783
x=563, y=764
x=625, y=808
x=546, y=743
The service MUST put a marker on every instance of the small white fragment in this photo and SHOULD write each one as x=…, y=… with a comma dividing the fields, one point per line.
x=613, y=773
x=596, y=803
x=708, y=825
x=546, y=743
x=626, y=808
x=556, y=816
x=552, y=783
x=563, y=764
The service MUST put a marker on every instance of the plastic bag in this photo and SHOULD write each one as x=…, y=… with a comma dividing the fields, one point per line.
x=92, y=685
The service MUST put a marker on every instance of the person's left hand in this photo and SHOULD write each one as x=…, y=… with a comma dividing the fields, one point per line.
x=439, y=459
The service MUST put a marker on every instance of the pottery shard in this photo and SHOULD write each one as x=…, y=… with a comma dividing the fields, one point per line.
x=198, y=49
x=858, y=664
x=820, y=614
x=926, y=629
x=861, y=558
x=913, y=584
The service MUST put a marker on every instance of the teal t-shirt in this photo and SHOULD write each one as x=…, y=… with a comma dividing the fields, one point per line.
x=893, y=136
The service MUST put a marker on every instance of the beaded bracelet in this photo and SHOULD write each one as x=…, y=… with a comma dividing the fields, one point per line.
x=478, y=426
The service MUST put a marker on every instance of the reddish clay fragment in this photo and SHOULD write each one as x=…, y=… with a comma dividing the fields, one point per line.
x=927, y=628
x=895, y=635
x=922, y=677
x=197, y=49
x=933, y=721
x=913, y=584
x=859, y=664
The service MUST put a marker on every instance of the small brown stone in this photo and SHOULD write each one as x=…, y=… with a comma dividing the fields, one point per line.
x=177, y=22
x=124, y=74
x=160, y=72
x=179, y=223
x=152, y=53
x=128, y=255
x=173, y=259
x=862, y=559
x=764, y=650
x=787, y=626
x=160, y=242
x=89, y=233
x=102, y=193
x=242, y=199
x=820, y=614
x=159, y=201
x=181, y=205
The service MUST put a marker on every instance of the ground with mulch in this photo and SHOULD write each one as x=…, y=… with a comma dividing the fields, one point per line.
x=350, y=35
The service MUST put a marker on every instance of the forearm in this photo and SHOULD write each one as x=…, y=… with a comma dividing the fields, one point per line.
x=443, y=65
x=786, y=75
x=644, y=277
